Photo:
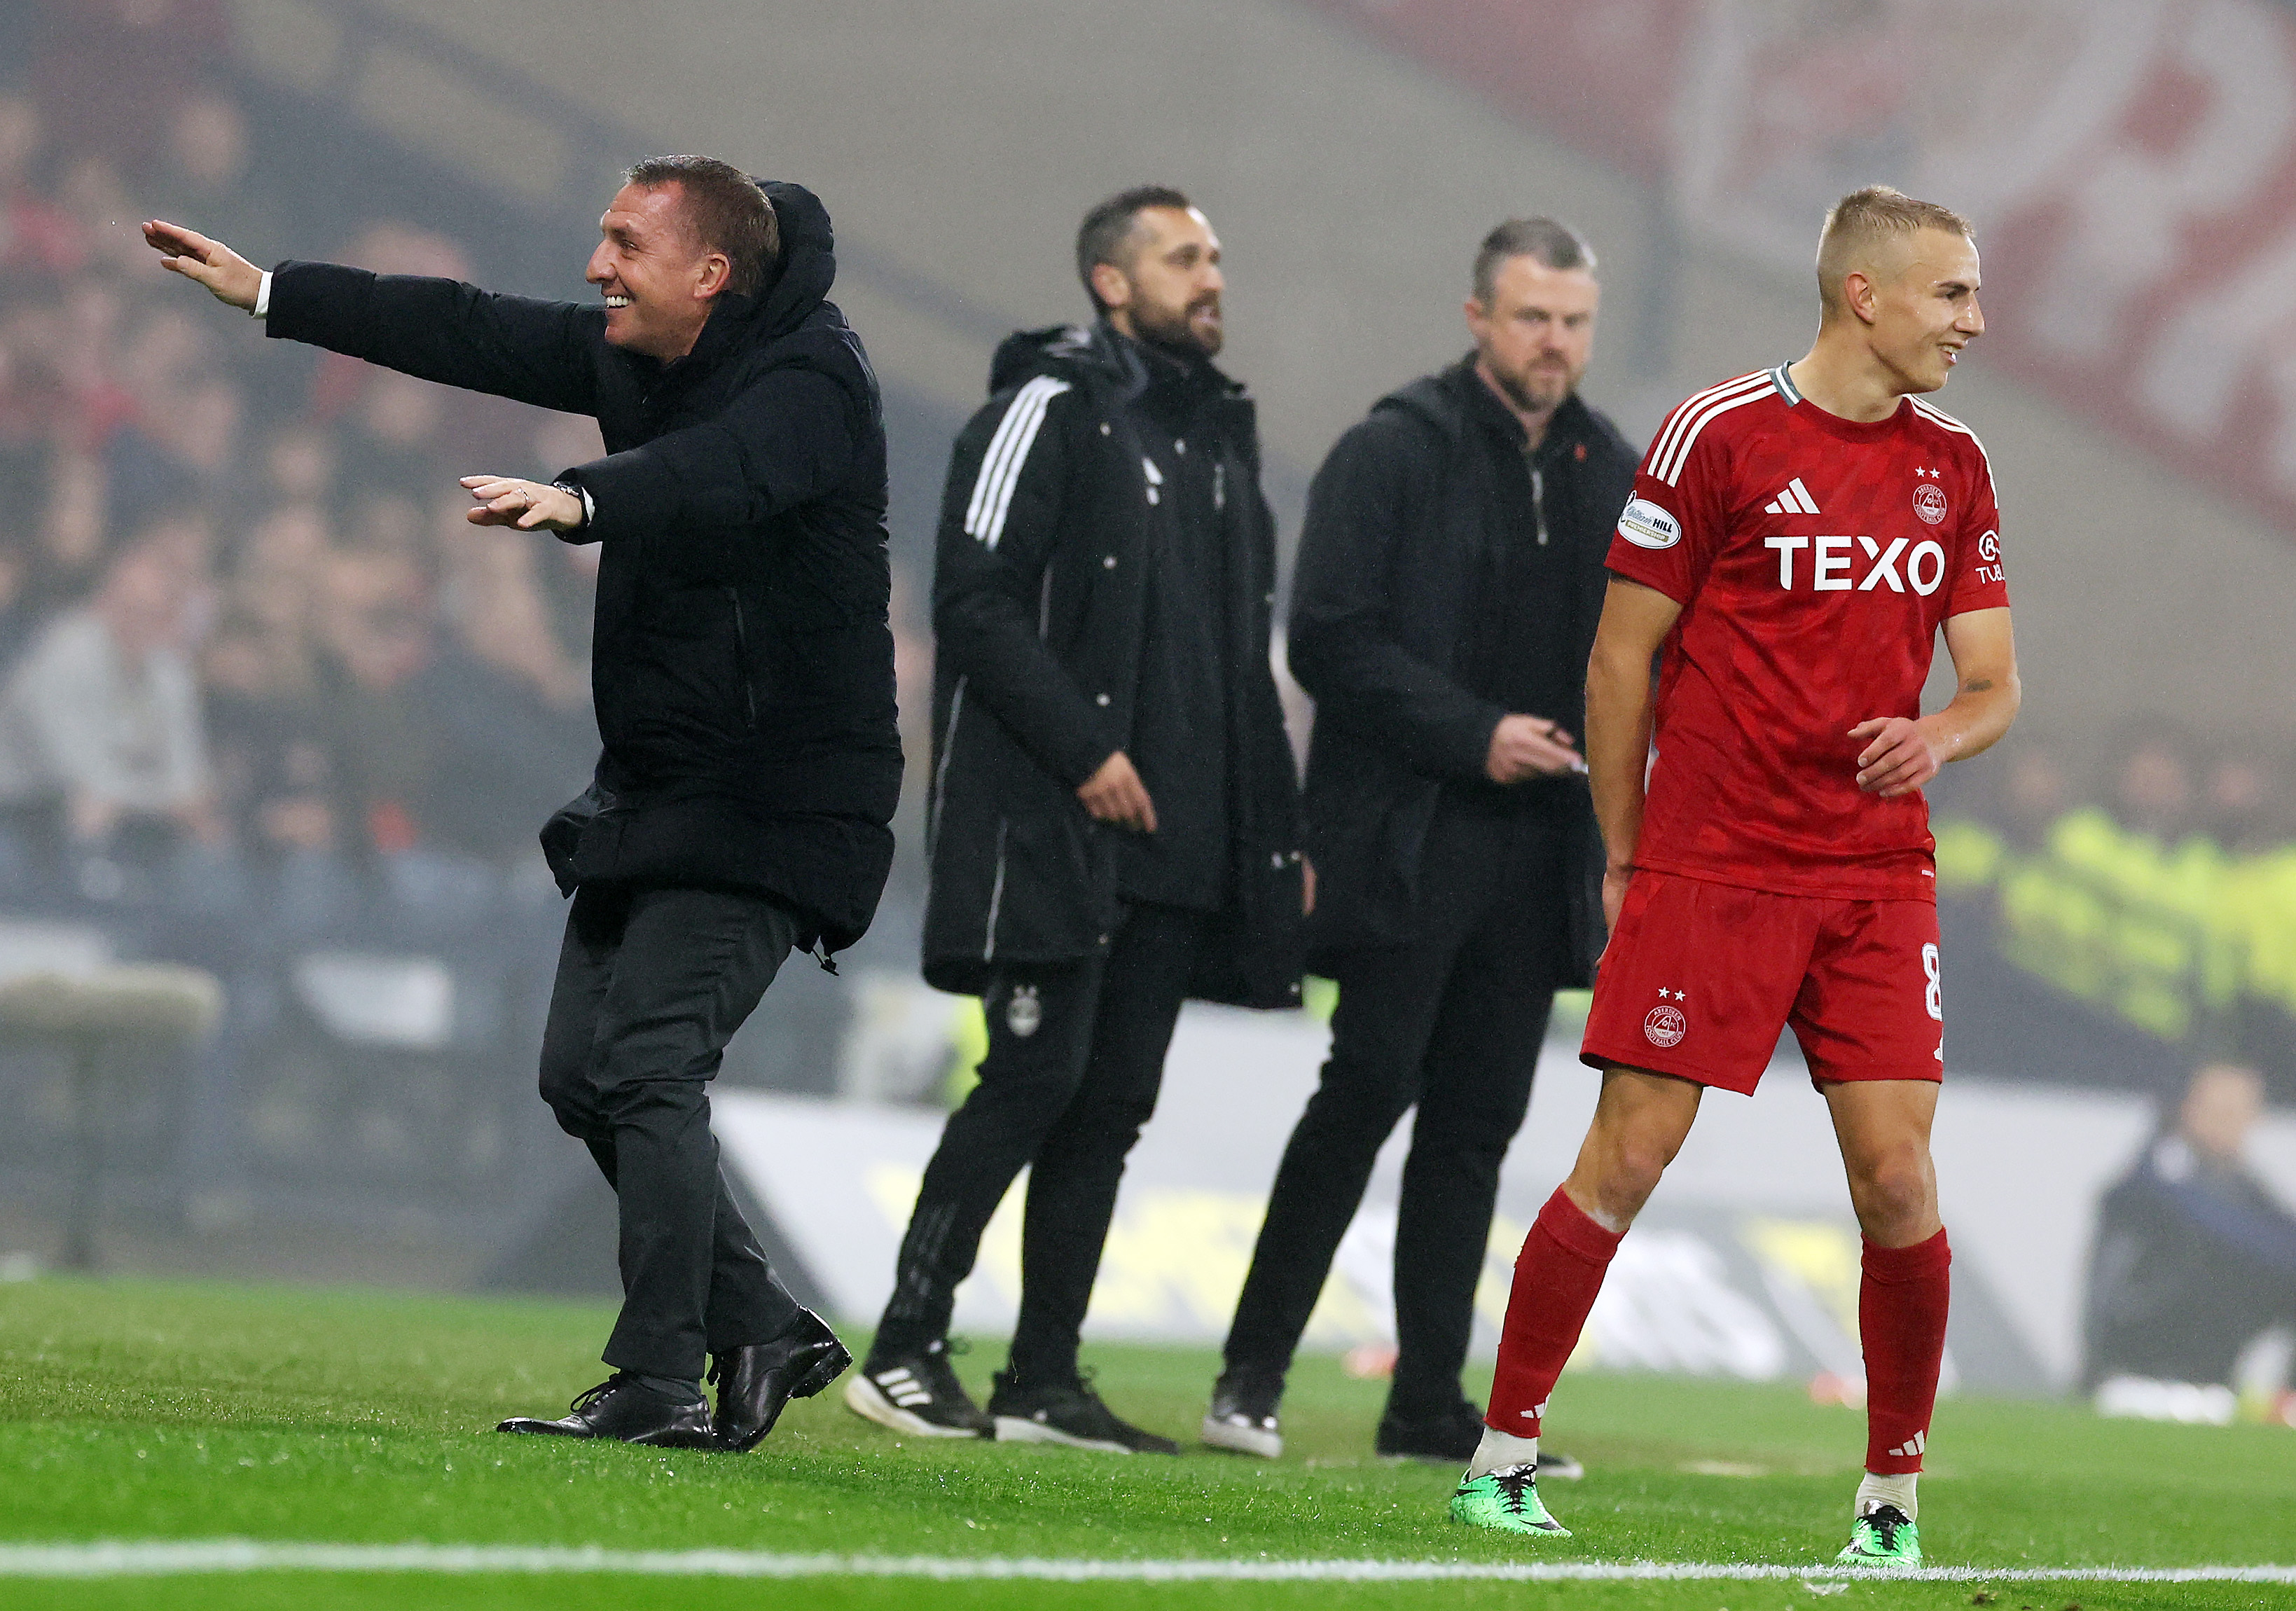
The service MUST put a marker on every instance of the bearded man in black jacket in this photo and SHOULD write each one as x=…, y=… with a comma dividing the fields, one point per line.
x=1112, y=823
x=743, y=671
x=1450, y=577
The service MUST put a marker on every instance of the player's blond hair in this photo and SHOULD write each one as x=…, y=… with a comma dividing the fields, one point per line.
x=1861, y=223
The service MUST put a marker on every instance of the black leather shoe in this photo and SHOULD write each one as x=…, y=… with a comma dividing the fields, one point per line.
x=755, y=1384
x=624, y=1408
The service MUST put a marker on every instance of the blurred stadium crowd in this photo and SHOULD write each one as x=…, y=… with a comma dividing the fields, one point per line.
x=251, y=654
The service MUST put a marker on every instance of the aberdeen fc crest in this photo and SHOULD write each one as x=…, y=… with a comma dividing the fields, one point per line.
x=1665, y=1026
x=1024, y=1015
x=1929, y=502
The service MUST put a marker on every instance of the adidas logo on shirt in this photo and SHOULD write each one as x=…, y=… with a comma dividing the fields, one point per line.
x=1794, y=501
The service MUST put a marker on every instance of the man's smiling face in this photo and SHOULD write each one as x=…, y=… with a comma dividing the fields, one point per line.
x=658, y=284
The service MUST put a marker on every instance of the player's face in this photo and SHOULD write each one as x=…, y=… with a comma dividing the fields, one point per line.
x=1536, y=335
x=658, y=283
x=1927, y=312
x=1169, y=292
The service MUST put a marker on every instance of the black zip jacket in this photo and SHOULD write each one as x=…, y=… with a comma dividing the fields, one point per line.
x=1038, y=602
x=1397, y=538
x=742, y=663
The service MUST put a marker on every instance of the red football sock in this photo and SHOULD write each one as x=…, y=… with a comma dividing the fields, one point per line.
x=1556, y=1276
x=1901, y=1309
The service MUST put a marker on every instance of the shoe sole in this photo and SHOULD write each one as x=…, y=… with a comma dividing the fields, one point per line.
x=864, y=1399
x=1557, y=1531
x=1014, y=1429
x=1242, y=1440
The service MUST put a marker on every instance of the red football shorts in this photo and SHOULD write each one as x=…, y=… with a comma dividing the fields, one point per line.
x=1700, y=978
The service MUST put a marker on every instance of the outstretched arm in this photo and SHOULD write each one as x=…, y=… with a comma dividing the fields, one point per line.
x=1901, y=755
x=531, y=350
x=1635, y=619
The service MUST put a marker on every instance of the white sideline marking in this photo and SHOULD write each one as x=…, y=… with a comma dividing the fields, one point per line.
x=158, y=1559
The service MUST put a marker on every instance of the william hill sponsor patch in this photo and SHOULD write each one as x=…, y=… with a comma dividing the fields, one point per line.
x=1647, y=526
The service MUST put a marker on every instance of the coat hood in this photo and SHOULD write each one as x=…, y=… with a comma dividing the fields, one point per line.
x=1092, y=355
x=1071, y=352
x=809, y=257
x=1442, y=401
x=799, y=285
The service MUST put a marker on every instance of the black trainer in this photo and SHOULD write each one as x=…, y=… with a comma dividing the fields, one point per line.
x=624, y=1408
x=916, y=1392
x=1242, y=1419
x=1451, y=1437
x=1068, y=1413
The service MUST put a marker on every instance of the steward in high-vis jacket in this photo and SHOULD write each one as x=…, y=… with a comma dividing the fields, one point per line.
x=743, y=669
x=1112, y=820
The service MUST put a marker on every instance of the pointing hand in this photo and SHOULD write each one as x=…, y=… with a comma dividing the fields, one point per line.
x=231, y=278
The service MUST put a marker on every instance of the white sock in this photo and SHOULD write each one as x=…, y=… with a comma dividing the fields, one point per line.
x=1500, y=1449
x=1877, y=1491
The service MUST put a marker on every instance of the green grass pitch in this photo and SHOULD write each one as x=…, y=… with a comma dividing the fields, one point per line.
x=141, y=1412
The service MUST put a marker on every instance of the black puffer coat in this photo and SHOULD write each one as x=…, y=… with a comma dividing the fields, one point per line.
x=742, y=666
x=1038, y=601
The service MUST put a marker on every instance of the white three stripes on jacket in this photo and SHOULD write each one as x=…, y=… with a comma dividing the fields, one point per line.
x=1008, y=450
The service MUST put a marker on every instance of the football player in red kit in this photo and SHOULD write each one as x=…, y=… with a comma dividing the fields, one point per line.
x=1796, y=539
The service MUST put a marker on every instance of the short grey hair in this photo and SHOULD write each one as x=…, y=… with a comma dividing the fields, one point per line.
x=1551, y=241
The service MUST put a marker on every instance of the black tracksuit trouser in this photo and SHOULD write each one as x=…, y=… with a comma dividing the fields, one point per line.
x=1452, y=1025
x=1076, y=1054
x=651, y=983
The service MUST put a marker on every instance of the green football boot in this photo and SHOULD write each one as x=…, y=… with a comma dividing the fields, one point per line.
x=1885, y=1539
x=1506, y=1501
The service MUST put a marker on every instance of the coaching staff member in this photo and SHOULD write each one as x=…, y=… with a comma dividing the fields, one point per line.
x=1450, y=576
x=743, y=674
x=1113, y=805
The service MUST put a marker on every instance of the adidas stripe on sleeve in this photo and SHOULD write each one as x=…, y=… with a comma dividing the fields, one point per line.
x=1007, y=454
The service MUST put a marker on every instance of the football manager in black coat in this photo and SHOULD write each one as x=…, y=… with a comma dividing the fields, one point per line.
x=1112, y=821
x=743, y=669
x=1449, y=579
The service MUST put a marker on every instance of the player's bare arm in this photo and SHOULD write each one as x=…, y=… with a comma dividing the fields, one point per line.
x=1635, y=619
x=230, y=277
x=1901, y=755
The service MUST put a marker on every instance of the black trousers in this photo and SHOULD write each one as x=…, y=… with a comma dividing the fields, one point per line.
x=1076, y=1054
x=1452, y=1025
x=651, y=983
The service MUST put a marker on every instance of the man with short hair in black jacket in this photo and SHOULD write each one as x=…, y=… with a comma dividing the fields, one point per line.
x=1112, y=816
x=1449, y=579
x=743, y=669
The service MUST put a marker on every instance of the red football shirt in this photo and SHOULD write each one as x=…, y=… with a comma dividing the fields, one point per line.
x=1814, y=558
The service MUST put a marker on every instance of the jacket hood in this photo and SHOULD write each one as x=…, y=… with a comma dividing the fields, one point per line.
x=808, y=266
x=809, y=257
x=1071, y=352
x=1442, y=401
x=1095, y=355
